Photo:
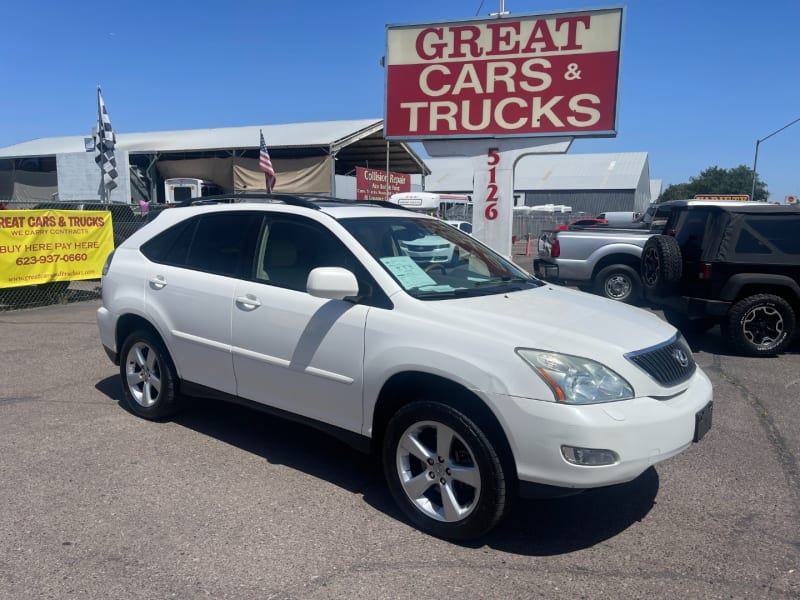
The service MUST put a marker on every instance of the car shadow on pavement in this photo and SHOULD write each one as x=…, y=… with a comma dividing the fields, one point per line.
x=562, y=525
x=534, y=527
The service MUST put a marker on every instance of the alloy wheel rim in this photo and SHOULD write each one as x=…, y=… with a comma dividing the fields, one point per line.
x=438, y=472
x=763, y=326
x=143, y=374
x=651, y=264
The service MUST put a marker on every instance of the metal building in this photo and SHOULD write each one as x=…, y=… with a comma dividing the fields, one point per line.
x=308, y=157
x=588, y=183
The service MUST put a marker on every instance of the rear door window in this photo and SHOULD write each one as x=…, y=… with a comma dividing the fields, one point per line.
x=220, y=243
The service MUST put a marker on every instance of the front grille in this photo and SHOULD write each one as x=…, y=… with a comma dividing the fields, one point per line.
x=669, y=363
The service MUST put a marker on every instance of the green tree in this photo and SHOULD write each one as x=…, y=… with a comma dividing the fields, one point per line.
x=716, y=180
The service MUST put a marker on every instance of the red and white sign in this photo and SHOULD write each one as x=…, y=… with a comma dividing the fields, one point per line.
x=737, y=197
x=372, y=184
x=532, y=75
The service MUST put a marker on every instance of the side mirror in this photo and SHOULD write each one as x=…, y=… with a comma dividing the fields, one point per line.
x=334, y=283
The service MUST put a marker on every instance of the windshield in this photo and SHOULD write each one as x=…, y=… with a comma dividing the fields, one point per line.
x=432, y=260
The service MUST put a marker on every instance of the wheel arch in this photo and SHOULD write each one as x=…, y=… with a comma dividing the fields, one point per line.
x=744, y=285
x=131, y=322
x=628, y=259
x=404, y=388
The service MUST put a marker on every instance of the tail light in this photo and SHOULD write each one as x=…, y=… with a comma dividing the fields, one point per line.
x=555, y=249
x=704, y=271
x=107, y=263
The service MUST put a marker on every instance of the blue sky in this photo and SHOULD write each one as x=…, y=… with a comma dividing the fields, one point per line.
x=701, y=80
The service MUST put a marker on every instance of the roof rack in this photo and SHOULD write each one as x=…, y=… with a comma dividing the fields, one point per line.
x=293, y=199
x=306, y=200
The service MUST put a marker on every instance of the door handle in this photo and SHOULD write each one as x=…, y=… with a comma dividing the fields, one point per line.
x=158, y=282
x=248, y=301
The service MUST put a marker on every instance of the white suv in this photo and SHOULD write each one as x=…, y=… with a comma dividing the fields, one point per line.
x=475, y=381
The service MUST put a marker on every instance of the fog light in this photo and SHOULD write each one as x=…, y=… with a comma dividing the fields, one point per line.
x=589, y=457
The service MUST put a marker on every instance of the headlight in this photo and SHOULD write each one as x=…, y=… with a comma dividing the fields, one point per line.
x=577, y=380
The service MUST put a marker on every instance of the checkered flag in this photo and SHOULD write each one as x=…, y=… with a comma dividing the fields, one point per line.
x=104, y=143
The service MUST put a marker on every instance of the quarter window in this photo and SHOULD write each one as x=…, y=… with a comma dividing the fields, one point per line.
x=781, y=231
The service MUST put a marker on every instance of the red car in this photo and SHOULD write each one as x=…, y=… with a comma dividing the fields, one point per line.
x=588, y=222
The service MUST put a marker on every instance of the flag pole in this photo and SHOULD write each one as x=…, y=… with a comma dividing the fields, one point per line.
x=99, y=137
x=265, y=163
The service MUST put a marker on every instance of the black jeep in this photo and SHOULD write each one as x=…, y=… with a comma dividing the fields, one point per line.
x=732, y=263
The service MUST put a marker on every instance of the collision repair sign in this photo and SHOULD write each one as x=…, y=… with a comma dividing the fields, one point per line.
x=40, y=246
x=532, y=75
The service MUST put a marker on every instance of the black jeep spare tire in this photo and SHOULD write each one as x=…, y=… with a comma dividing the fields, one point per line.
x=661, y=265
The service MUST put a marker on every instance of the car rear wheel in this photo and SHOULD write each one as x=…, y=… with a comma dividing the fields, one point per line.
x=149, y=382
x=760, y=325
x=618, y=282
x=661, y=265
x=444, y=472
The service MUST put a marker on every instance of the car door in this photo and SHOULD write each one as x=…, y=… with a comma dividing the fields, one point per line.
x=291, y=350
x=190, y=287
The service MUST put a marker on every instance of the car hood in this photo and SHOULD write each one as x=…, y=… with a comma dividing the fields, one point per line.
x=557, y=319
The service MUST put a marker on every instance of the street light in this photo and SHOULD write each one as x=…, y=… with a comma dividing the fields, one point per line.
x=755, y=160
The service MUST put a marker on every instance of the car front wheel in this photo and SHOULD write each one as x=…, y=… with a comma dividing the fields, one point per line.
x=148, y=376
x=444, y=472
x=760, y=325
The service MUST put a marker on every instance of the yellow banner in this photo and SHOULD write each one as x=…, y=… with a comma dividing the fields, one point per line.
x=40, y=246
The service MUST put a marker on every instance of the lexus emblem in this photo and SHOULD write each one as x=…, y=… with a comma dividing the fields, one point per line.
x=679, y=355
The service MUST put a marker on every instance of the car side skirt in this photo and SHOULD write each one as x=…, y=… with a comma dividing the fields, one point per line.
x=354, y=440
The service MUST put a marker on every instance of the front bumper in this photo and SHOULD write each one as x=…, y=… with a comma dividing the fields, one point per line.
x=642, y=432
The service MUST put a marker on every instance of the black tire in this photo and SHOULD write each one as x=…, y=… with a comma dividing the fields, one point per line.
x=149, y=380
x=471, y=472
x=661, y=266
x=687, y=325
x=760, y=325
x=618, y=282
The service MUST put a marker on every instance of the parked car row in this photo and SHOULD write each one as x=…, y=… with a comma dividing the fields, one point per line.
x=706, y=263
x=735, y=264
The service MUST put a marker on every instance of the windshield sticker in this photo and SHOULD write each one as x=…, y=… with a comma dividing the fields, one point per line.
x=408, y=273
x=438, y=288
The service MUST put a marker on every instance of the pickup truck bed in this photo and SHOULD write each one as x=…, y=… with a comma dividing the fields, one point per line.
x=604, y=261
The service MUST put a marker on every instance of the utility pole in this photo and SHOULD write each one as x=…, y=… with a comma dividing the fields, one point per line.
x=755, y=160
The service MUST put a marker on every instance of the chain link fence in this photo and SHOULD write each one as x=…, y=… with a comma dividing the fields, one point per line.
x=125, y=220
x=534, y=223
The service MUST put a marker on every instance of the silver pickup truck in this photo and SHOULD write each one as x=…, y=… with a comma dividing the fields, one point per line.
x=604, y=261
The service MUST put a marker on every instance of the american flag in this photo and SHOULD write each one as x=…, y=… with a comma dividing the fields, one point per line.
x=104, y=143
x=265, y=163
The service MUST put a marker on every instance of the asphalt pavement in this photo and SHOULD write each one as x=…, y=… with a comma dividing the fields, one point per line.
x=223, y=502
